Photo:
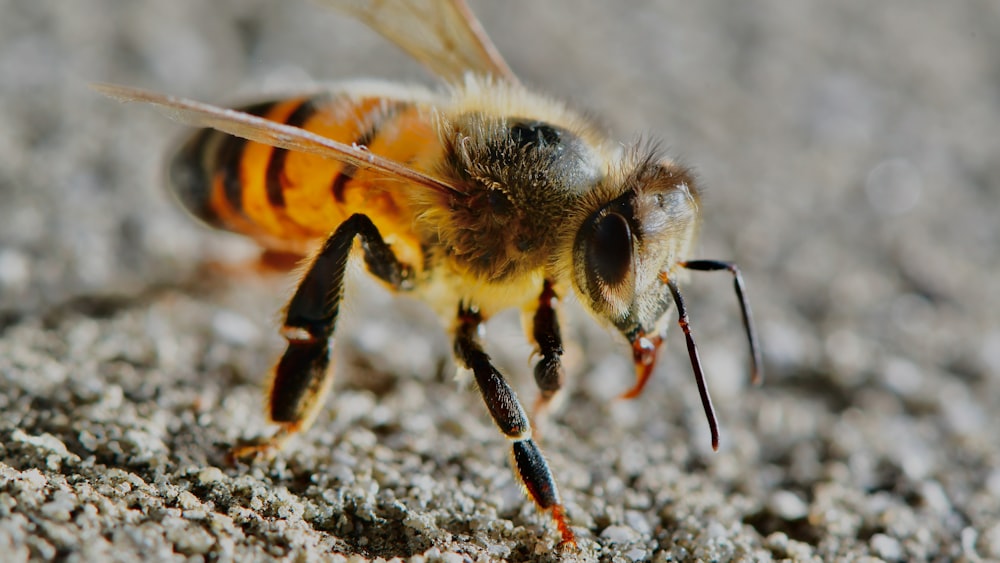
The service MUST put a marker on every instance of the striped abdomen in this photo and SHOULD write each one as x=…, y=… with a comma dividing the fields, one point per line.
x=287, y=200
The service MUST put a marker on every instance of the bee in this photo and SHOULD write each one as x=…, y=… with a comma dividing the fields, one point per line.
x=475, y=198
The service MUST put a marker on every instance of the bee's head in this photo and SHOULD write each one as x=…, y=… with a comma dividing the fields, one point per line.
x=632, y=237
x=638, y=228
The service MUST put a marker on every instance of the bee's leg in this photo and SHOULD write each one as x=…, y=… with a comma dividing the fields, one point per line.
x=508, y=414
x=549, y=373
x=302, y=377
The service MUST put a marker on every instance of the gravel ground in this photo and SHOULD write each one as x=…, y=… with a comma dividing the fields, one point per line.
x=850, y=150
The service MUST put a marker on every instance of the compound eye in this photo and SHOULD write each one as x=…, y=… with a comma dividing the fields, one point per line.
x=609, y=252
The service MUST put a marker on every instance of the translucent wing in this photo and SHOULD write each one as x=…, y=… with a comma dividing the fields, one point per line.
x=271, y=133
x=444, y=35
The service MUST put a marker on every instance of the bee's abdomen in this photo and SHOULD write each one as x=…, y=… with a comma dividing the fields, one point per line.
x=286, y=200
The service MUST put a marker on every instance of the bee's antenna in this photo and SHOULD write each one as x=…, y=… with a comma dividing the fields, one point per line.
x=699, y=374
x=756, y=363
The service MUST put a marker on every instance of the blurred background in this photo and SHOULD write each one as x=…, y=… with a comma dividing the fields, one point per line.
x=849, y=155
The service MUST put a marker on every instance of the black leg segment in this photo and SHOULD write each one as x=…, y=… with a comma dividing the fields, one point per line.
x=528, y=460
x=545, y=331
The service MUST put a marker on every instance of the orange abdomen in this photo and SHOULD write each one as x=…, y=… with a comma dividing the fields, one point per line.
x=287, y=201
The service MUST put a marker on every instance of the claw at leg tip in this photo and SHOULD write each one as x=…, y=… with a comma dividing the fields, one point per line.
x=559, y=515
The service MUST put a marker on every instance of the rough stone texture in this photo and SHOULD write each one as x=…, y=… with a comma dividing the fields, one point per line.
x=850, y=153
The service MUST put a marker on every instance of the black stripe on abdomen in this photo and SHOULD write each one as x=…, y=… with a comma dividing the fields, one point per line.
x=189, y=180
x=229, y=161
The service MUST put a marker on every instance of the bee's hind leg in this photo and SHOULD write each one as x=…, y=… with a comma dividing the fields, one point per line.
x=508, y=414
x=303, y=376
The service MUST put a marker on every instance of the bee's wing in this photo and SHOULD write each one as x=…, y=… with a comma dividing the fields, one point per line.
x=444, y=35
x=271, y=133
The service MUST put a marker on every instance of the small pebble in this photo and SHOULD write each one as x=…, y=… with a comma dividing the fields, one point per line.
x=210, y=475
x=620, y=534
x=886, y=547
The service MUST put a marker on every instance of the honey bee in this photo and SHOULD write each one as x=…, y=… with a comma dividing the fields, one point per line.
x=475, y=198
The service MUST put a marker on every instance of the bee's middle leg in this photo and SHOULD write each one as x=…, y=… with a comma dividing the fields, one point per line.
x=302, y=377
x=508, y=414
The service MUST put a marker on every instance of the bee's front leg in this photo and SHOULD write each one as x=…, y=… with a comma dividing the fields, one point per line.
x=544, y=331
x=303, y=376
x=508, y=414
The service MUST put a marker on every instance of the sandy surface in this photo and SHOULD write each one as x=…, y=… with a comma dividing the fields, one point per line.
x=850, y=151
